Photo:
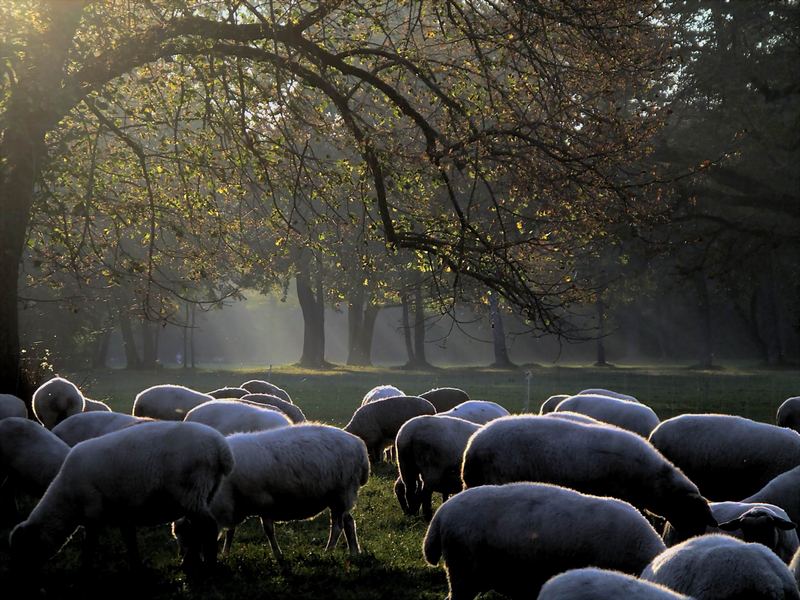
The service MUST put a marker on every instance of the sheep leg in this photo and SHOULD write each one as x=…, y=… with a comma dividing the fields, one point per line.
x=337, y=524
x=350, y=534
x=269, y=530
x=90, y=538
x=226, y=547
x=426, y=500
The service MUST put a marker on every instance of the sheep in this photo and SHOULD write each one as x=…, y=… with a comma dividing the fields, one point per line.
x=725, y=455
x=11, y=406
x=794, y=567
x=30, y=455
x=429, y=451
x=591, y=583
x=228, y=392
x=167, y=402
x=380, y=392
x=788, y=414
x=377, y=423
x=576, y=417
x=290, y=410
x=598, y=459
x=85, y=426
x=550, y=404
x=609, y=393
x=513, y=538
x=232, y=416
x=145, y=475
x=763, y=523
x=288, y=474
x=445, y=398
x=55, y=400
x=629, y=415
x=95, y=406
x=711, y=567
x=783, y=491
x=477, y=411
x=258, y=386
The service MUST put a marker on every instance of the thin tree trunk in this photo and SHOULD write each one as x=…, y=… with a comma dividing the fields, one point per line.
x=355, y=323
x=192, y=330
x=706, y=354
x=311, y=306
x=367, y=334
x=186, y=329
x=601, y=333
x=132, y=360
x=501, y=358
x=405, y=325
x=776, y=355
x=420, y=361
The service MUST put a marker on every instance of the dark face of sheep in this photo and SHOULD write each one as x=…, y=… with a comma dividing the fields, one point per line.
x=690, y=515
x=759, y=525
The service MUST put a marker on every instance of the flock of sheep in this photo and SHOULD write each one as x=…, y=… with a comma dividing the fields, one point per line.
x=592, y=498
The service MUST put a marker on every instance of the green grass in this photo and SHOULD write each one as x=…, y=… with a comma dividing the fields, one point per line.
x=391, y=565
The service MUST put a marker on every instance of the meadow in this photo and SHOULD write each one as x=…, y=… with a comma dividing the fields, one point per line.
x=391, y=565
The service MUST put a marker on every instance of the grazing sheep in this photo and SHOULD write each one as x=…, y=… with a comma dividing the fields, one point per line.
x=258, y=386
x=380, y=392
x=629, y=415
x=167, y=402
x=30, y=455
x=717, y=567
x=789, y=413
x=289, y=474
x=604, y=392
x=445, y=398
x=513, y=538
x=591, y=583
x=95, y=406
x=377, y=423
x=794, y=567
x=232, y=416
x=85, y=426
x=11, y=406
x=55, y=400
x=429, y=452
x=145, y=475
x=477, y=411
x=725, y=455
x=763, y=523
x=783, y=491
x=290, y=410
x=550, y=404
x=573, y=416
x=228, y=392
x=596, y=459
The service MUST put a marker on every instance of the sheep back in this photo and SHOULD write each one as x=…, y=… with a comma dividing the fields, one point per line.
x=783, y=491
x=477, y=411
x=259, y=386
x=228, y=392
x=605, y=392
x=55, y=400
x=30, y=454
x=88, y=425
x=632, y=416
x=380, y=392
x=233, y=416
x=788, y=414
x=290, y=410
x=550, y=404
x=95, y=406
x=445, y=398
x=513, y=538
x=167, y=402
x=591, y=583
x=11, y=406
x=727, y=456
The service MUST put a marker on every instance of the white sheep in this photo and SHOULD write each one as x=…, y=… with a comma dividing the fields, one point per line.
x=794, y=567
x=788, y=414
x=477, y=411
x=609, y=393
x=591, y=583
x=144, y=475
x=783, y=491
x=598, y=459
x=289, y=474
x=766, y=524
x=88, y=425
x=380, y=392
x=377, y=423
x=268, y=400
x=629, y=415
x=717, y=567
x=11, y=406
x=30, y=455
x=259, y=386
x=727, y=456
x=513, y=538
x=573, y=416
x=550, y=404
x=429, y=452
x=228, y=392
x=55, y=400
x=167, y=402
x=232, y=416
x=95, y=406
x=445, y=398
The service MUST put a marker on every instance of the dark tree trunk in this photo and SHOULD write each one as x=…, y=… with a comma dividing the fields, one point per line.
x=149, y=345
x=313, y=308
x=600, y=306
x=419, y=361
x=132, y=360
x=501, y=358
x=405, y=325
x=706, y=350
x=361, y=316
x=776, y=355
x=101, y=349
x=186, y=330
x=367, y=334
x=192, y=329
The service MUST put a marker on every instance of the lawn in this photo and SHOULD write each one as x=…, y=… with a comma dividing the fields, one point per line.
x=391, y=565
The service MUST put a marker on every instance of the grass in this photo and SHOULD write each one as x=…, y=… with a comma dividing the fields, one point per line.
x=391, y=566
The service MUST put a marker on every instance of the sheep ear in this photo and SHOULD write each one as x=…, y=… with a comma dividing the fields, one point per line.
x=731, y=525
x=784, y=524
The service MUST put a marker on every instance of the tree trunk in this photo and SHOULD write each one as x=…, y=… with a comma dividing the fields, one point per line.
x=313, y=309
x=600, y=306
x=132, y=360
x=405, y=325
x=776, y=354
x=501, y=358
x=355, y=323
x=101, y=349
x=149, y=346
x=419, y=361
x=186, y=329
x=367, y=334
x=706, y=350
x=192, y=330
